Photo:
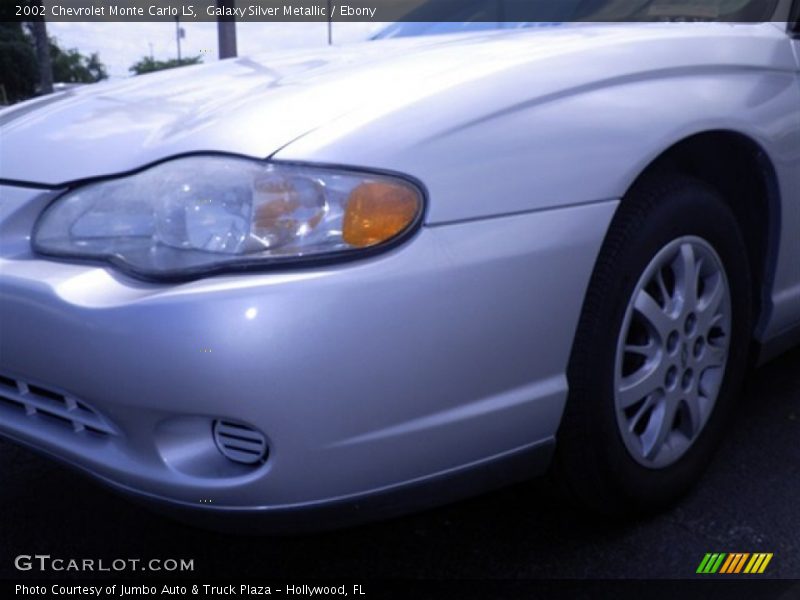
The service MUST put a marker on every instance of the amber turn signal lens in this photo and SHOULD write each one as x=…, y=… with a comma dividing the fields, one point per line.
x=376, y=212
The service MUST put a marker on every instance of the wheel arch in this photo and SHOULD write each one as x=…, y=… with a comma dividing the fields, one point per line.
x=740, y=169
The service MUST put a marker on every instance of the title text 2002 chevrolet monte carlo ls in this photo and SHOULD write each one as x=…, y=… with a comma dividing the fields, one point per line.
x=360, y=280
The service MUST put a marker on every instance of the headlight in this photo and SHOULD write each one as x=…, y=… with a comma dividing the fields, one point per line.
x=191, y=216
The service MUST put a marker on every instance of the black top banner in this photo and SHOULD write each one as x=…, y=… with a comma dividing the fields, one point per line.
x=505, y=11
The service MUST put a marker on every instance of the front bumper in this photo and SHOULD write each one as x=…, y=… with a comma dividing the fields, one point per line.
x=437, y=359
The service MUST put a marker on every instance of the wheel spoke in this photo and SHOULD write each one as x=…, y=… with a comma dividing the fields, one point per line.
x=686, y=280
x=692, y=402
x=649, y=309
x=658, y=430
x=718, y=322
x=696, y=276
x=648, y=350
x=709, y=306
x=710, y=381
x=641, y=384
x=640, y=412
x=713, y=357
x=662, y=286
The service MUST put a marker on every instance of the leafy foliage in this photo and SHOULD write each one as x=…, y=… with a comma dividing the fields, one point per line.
x=70, y=66
x=149, y=65
x=18, y=68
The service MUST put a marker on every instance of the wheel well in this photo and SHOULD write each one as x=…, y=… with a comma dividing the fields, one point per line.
x=742, y=172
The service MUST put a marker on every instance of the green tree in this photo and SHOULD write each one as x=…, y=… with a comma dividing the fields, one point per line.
x=19, y=72
x=19, y=68
x=149, y=65
x=70, y=66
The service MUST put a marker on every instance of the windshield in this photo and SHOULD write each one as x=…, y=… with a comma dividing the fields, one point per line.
x=431, y=17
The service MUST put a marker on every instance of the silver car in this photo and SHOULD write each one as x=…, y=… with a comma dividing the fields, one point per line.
x=314, y=287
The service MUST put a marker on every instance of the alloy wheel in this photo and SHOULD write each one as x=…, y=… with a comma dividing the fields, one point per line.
x=672, y=352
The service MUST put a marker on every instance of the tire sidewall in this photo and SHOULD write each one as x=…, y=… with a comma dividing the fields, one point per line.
x=689, y=209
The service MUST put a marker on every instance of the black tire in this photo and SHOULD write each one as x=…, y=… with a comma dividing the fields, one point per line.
x=592, y=461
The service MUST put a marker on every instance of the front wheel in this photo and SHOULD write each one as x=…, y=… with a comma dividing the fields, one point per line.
x=660, y=350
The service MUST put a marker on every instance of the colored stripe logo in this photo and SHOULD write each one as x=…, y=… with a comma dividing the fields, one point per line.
x=734, y=563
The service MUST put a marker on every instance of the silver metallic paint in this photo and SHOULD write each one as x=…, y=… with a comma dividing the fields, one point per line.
x=396, y=357
x=437, y=355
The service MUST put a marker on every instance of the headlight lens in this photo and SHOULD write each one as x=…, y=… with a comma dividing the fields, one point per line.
x=195, y=215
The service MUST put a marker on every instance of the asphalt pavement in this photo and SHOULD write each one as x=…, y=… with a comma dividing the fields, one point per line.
x=749, y=501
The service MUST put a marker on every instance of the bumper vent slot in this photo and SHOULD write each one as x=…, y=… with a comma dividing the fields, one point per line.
x=47, y=405
x=240, y=443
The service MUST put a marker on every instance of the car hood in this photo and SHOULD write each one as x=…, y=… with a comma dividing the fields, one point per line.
x=251, y=106
x=256, y=106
